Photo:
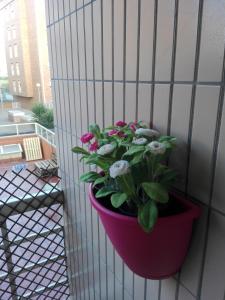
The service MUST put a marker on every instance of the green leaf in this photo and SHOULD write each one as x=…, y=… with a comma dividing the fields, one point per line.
x=83, y=157
x=160, y=170
x=142, y=124
x=126, y=184
x=80, y=150
x=89, y=176
x=156, y=191
x=166, y=138
x=110, y=128
x=104, y=191
x=147, y=215
x=168, y=177
x=95, y=159
x=118, y=153
x=94, y=128
x=134, y=149
x=168, y=145
x=136, y=159
x=118, y=199
x=102, y=141
x=100, y=180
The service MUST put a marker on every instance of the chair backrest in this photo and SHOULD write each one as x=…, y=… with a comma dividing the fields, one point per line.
x=32, y=148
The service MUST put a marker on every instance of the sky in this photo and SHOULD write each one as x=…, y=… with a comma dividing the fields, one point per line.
x=3, y=67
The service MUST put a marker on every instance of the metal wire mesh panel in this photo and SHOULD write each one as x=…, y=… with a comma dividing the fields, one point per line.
x=32, y=253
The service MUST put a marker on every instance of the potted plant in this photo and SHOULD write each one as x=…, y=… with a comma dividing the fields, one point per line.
x=149, y=225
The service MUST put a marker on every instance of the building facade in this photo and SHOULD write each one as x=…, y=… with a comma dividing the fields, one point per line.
x=27, y=52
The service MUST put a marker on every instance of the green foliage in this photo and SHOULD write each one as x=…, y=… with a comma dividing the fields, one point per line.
x=133, y=173
x=94, y=128
x=100, y=180
x=90, y=176
x=156, y=191
x=147, y=215
x=47, y=119
x=43, y=115
x=118, y=199
x=79, y=150
x=38, y=109
x=133, y=150
x=104, y=191
x=102, y=162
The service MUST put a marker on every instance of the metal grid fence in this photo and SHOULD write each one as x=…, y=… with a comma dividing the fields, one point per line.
x=32, y=252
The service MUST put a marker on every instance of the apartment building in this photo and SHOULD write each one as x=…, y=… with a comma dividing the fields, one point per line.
x=27, y=52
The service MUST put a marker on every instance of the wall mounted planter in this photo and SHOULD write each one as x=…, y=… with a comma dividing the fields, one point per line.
x=155, y=255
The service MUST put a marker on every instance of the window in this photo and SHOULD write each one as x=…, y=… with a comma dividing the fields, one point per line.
x=15, y=50
x=9, y=34
x=12, y=13
x=19, y=86
x=10, y=52
x=7, y=12
x=14, y=86
x=17, y=69
x=14, y=33
x=12, y=70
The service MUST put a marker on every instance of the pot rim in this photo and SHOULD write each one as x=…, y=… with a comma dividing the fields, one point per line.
x=192, y=211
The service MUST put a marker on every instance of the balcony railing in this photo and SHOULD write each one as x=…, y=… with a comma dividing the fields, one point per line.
x=17, y=129
x=32, y=252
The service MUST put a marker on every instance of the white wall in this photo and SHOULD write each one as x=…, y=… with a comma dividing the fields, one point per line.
x=160, y=61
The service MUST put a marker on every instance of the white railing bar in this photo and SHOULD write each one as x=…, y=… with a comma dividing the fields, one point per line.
x=45, y=289
x=17, y=129
x=26, y=124
x=32, y=237
x=3, y=276
x=35, y=127
x=14, y=206
x=32, y=266
x=13, y=135
x=43, y=138
x=38, y=130
x=19, y=124
x=41, y=263
x=46, y=129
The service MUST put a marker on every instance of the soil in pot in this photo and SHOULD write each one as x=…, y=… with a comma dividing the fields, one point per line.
x=172, y=207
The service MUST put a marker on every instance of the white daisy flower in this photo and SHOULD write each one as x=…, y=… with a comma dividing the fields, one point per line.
x=140, y=141
x=147, y=132
x=106, y=149
x=120, y=167
x=157, y=147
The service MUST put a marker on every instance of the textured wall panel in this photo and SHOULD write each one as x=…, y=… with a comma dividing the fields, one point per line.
x=213, y=286
x=212, y=44
x=152, y=60
x=186, y=40
x=164, y=39
x=146, y=39
x=202, y=141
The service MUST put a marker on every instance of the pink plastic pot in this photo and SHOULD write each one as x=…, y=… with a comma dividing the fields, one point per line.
x=155, y=255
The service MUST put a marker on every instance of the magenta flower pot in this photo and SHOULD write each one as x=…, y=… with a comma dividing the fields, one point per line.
x=155, y=255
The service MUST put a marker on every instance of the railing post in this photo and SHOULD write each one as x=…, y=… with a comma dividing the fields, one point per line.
x=17, y=129
x=35, y=128
x=8, y=256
